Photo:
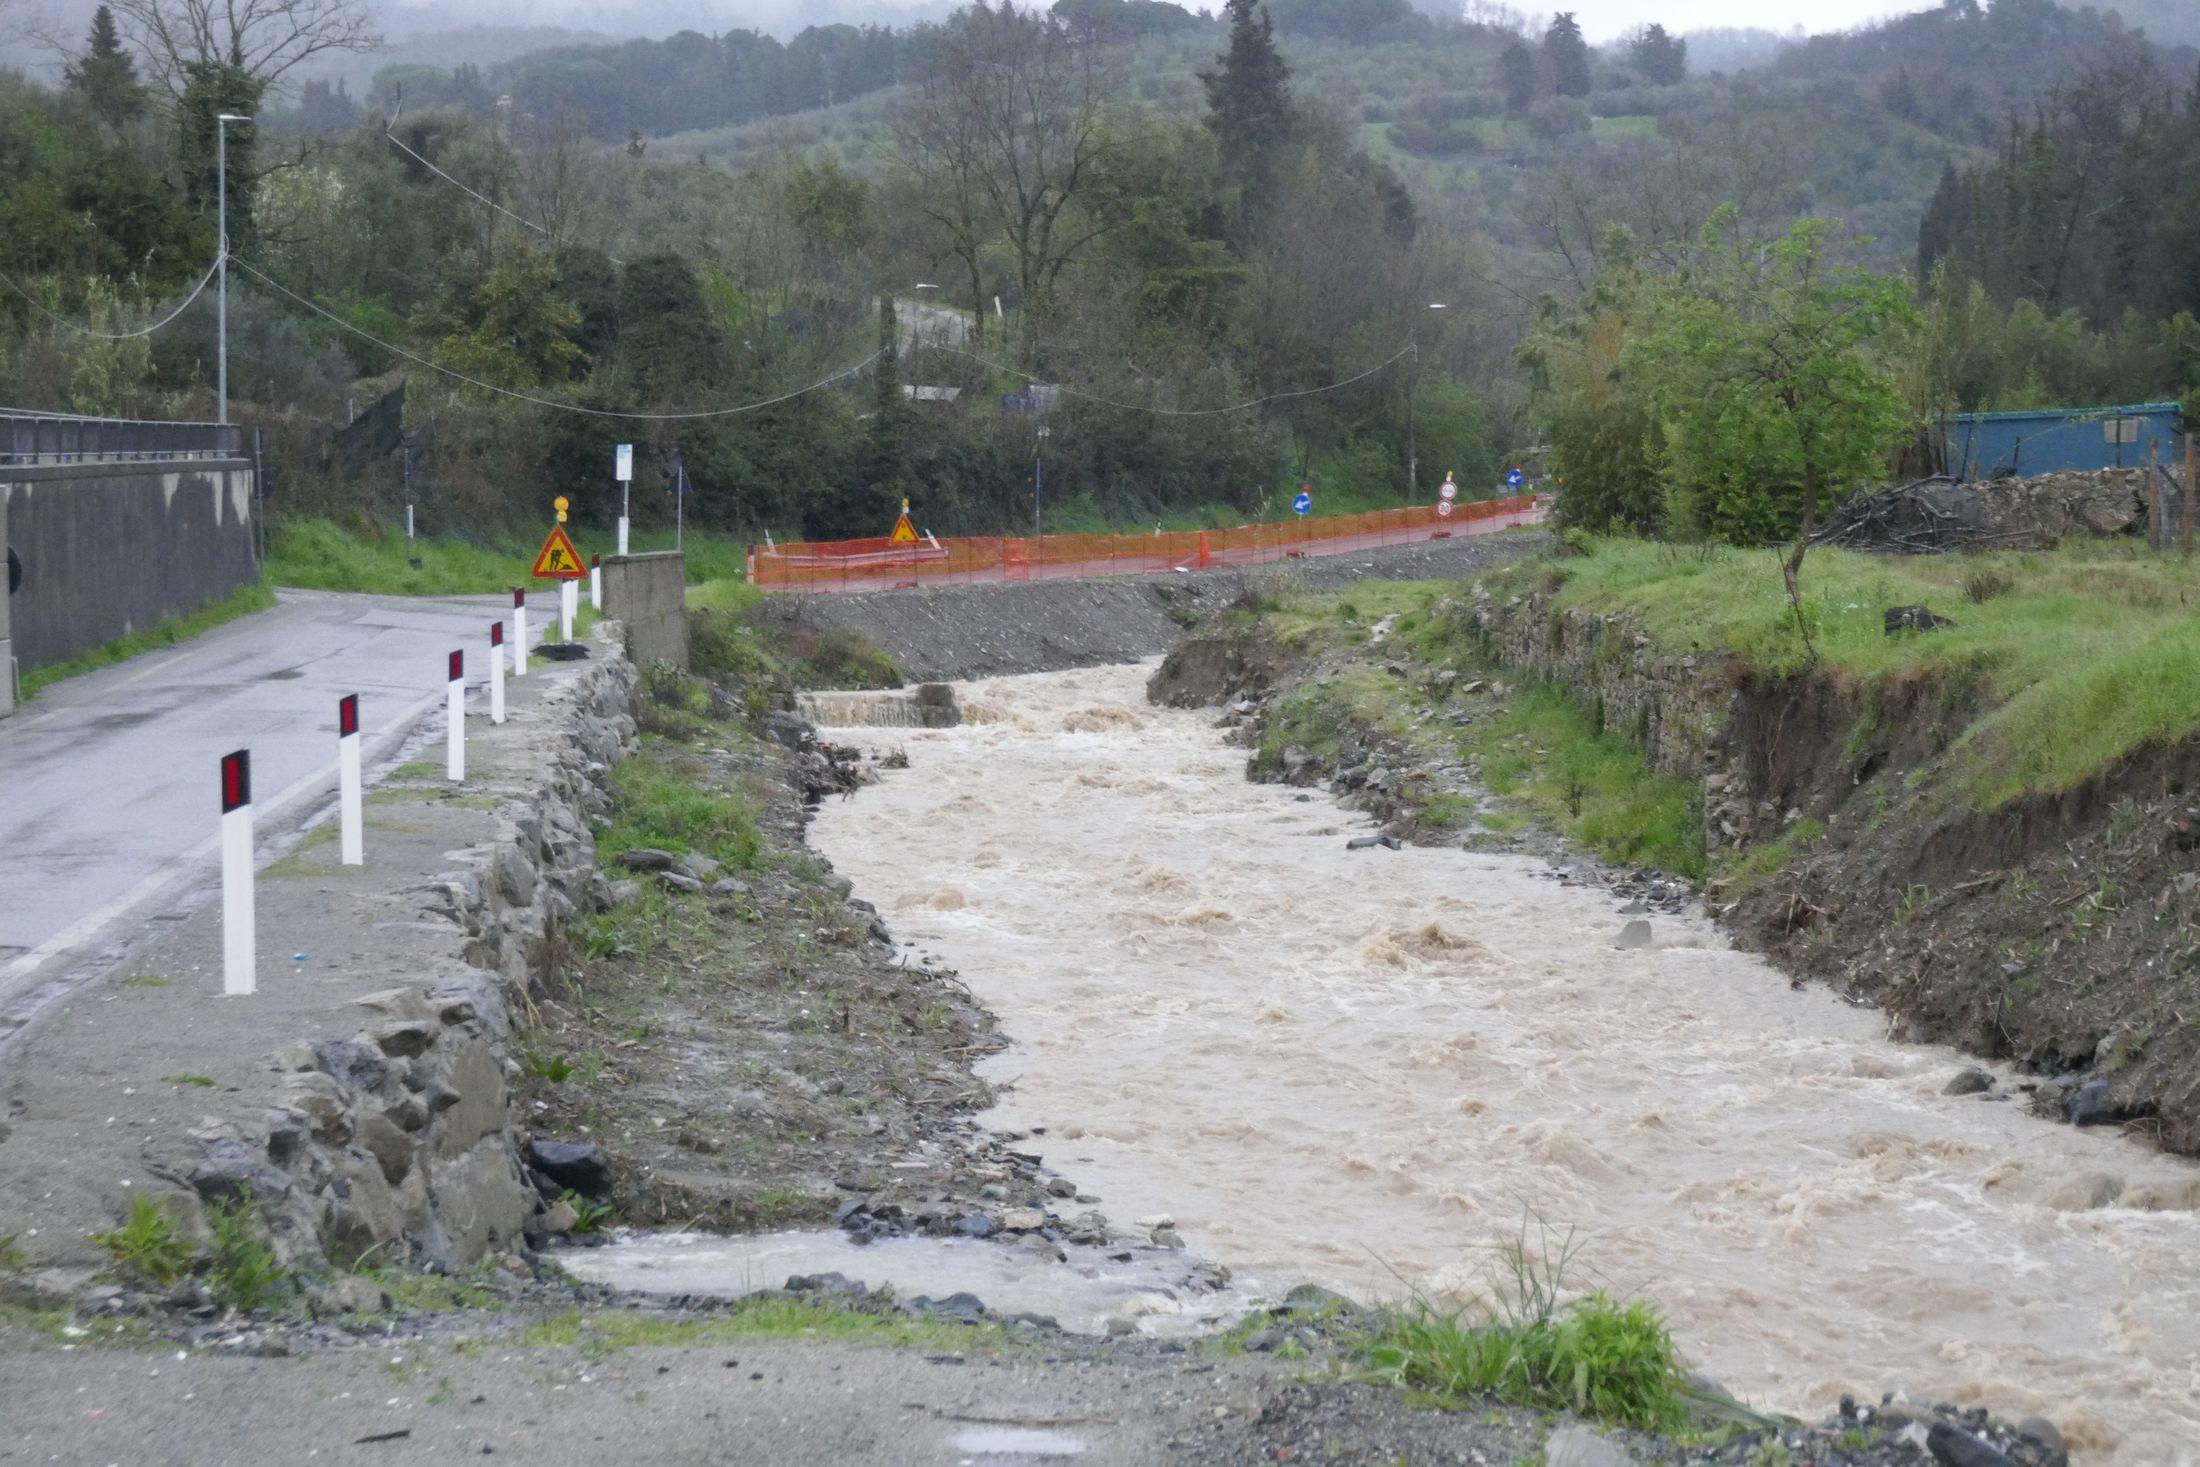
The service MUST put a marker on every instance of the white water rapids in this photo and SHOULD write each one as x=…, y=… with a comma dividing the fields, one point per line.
x=1366, y=1067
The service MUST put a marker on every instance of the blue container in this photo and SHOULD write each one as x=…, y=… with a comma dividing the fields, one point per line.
x=2056, y=440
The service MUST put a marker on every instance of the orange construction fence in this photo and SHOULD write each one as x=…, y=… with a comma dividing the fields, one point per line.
x=875, y=565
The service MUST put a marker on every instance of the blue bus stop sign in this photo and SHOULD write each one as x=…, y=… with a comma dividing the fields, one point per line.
x=1514, y=479
x=1303, y=505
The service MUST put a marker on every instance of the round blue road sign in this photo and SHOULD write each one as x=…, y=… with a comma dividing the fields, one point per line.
x=1304, y=504
x=1514, y=479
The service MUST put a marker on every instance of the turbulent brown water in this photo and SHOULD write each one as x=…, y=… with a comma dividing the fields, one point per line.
x=1366, y=1068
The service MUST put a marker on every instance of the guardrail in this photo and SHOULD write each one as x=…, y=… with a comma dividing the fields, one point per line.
x=66, y=438
x=877, y=565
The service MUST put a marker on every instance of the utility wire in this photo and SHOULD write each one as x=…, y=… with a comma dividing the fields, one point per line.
x=397, y=143
x=116, y=335
x=1239, y=407
x=563, y=407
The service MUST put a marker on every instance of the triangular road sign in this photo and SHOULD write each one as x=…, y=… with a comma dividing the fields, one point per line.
x=904, y=532
x=559, y=561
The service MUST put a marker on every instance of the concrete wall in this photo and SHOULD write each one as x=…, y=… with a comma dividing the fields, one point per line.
x=7, y=644
x=112, y=548
x=647, y=594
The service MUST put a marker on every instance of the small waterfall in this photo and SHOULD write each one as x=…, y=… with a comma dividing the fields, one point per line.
x=931, y=705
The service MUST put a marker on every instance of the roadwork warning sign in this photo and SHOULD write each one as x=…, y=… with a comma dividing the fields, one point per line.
x=559, y=561
x=904, y=532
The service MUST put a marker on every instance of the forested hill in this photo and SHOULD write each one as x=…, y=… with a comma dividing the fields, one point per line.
x=1334, y=243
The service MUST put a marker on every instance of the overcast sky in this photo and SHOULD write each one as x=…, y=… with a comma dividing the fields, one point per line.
x=1603, y=19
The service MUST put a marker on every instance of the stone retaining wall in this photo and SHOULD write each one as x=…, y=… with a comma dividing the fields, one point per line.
x=1680, y=708
x=398, y=1142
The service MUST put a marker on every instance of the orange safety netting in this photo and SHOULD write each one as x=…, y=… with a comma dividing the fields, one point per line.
x=881, y=564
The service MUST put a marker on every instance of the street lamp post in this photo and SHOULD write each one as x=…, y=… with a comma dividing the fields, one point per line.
x=221, y=263
x=1039, y=478
x=1413, y=397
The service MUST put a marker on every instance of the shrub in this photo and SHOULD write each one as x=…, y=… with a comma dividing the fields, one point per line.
x=148, y=1245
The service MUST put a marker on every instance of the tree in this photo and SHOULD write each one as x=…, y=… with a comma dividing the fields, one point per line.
x=1772, y=377
x=262, y=39
x=512, y=329
x=1249, y=102
x=1659, y=55
x=1566, y=56
x=1011, y=123
x=1516, y=69
x=105, y=76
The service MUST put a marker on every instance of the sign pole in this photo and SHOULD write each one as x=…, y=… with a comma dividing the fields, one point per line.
x=496, y=672
x=454, y=759
x=595, y=582
x=239, y=947
x=623, y=470
x=519, y=631
x=349, y=798
x=569, y=605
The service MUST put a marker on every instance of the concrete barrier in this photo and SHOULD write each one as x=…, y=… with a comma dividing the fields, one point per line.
x=7, y=641
x=112, y=548
x=647, y=594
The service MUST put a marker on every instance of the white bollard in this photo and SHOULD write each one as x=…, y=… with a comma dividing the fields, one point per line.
x=496, y=672
x=519, y=631
x=455, y=756
x=569, y=606
x=239, y=947
x=349, y=798
x=595, y=582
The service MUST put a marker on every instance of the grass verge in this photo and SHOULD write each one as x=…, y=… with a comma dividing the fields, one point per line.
x=362, y=554
x=242, y=602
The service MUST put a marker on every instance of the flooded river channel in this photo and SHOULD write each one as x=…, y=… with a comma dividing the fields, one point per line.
x=1366, y=1068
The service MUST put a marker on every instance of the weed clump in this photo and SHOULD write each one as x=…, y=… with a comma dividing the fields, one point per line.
x=1601, y=1359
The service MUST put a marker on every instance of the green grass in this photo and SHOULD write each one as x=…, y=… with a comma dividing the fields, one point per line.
x=1601, y=1359
x=366, y=555
x=2091, y=654
x=657, y=803
x=1542, y=748
x=596, y=1334
x=244, y=601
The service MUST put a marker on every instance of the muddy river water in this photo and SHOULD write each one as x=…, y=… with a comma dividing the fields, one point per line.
x=1367, y=1068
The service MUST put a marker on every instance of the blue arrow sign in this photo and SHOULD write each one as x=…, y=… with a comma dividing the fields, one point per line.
x=1304, y=504
x=1515, y=479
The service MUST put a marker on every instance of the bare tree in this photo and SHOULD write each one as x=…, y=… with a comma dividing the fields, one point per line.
x=1008, y=131
x=262, y=39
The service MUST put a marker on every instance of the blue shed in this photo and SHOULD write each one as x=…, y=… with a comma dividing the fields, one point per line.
x=2055, y=440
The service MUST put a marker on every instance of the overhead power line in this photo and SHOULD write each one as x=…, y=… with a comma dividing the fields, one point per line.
x=389, y=132
x=37, y=306
x=547, y=402
x=1167, y=412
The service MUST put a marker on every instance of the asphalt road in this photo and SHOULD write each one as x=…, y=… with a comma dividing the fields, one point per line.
x=108, y=782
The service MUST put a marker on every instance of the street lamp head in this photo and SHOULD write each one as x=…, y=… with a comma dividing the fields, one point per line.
x=1438, y=305
x=231, y=117
x=924, y=285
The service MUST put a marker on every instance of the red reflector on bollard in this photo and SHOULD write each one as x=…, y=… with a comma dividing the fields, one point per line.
x=519, y=595
x=347, y=715
x=458, y=667
x=496, y=634
x=236, y=780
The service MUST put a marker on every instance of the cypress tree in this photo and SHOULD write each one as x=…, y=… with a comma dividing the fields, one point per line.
x=1566, y=56
x=105, y=76
x=1249, y=100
